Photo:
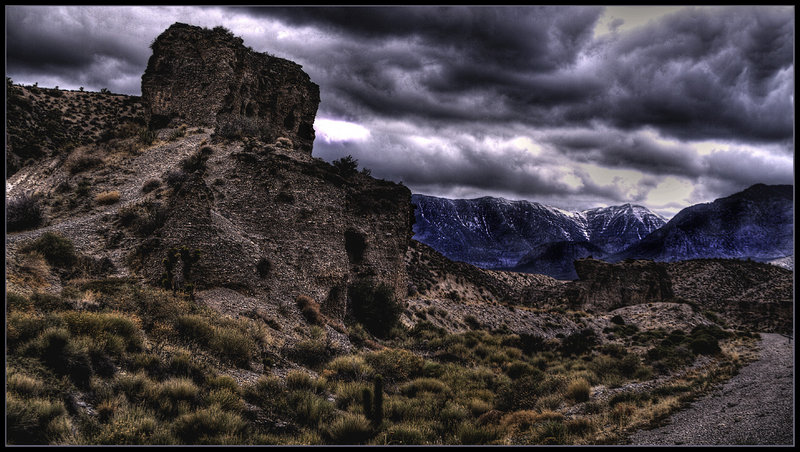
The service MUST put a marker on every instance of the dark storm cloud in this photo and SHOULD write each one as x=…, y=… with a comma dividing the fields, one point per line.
x=97, y=49
x=701, y=74
x=456, y=160
x=532, y=38
x=696, y=74
x=618, y=149
x=505, y=64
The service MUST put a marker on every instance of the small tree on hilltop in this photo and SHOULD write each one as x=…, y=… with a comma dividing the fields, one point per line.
x=346, y=166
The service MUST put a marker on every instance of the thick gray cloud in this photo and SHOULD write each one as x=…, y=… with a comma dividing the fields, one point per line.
x=524, y=102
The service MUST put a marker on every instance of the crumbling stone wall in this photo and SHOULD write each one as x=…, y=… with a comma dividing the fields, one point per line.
x=604, y=287
x=207, y=77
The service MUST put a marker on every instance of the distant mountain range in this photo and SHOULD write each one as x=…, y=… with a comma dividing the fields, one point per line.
x=757, y=223
x=527, y=236
x=530, y=237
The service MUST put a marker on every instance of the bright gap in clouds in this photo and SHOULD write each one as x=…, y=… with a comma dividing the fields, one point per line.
x=624, y=18
x=331, y=130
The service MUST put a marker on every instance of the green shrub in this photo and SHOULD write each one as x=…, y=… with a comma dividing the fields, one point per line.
x=147, y=136
x=310, y=409
x=395, y=364
x=134, y=426
x=704, y=345
x=432, y=385
x=194, y=162
x=311, y=352
x=469, y=433
x=579, y=343
x=579, y=390
x=519, y=395
x=178, y=389
x=195, y=327
x=183, y=364
x=351, y=393
x=223, y=382
x=349, y=368
x=349, y=429
x=101, y=325
x=23, y=326
x=224, y=340
x=210, y=426
x=374, y=306
x=407, y=434
x=233, y=345
x=551, y=432
x=265, y=391
x=57, y=250
x=25, y=385
x=297, y=379
x=347, y=166
x=629, y=364
x=226, y=399
x=137, y=386
x=618, y=320
x=34, y=421
x=23, y=212
x=453, y=413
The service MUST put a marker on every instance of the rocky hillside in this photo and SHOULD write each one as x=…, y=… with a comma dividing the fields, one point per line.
x=757, y=223
x=527, y=236
x=741, y=294
x=46, y=123
x=208, y=77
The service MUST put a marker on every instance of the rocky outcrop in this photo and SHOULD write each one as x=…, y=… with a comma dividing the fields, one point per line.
x=208, y=77
x=274, y=224
x=604, y=287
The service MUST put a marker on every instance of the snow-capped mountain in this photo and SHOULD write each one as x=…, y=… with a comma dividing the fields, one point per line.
x=497, y=233
x=757, y=223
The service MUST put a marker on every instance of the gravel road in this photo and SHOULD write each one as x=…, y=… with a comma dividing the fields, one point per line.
x=754, y=407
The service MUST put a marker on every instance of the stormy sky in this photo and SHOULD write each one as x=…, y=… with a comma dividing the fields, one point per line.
x=576, y=107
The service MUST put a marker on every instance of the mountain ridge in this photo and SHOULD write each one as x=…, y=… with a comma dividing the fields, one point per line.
x=756, y=223
x=503, y=234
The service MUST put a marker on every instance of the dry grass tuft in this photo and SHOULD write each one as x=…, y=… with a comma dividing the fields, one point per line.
x=107, y=197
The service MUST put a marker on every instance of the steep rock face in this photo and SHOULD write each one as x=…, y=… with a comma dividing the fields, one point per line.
x=746, y=294
x=756, y=223
x=605, y=286
x=274, y=224
x=208, y=77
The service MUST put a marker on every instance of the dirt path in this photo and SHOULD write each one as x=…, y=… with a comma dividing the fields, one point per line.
x=754, y=407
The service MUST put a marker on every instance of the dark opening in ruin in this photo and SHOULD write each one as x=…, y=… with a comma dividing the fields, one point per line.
x=288, y=122
x=355, y=245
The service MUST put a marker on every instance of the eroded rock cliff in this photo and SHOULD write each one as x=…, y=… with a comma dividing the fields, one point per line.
x=208, y=77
